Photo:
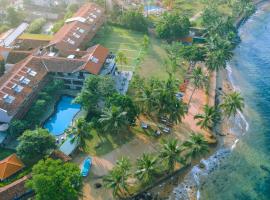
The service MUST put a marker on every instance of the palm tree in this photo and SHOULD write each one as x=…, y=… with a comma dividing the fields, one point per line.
x=208, y=118
x=166, y=102
x=177, y=110
x=121, y=59
x=231, y=103
x=117, y=181
x=146, y=167
x=146, y=97
x=170, y=153
x=81, y=131
x=196, y=146
x=113, y=119
x=219, y=53
x=123, y=164
x=192, y=54
x=198, y=79
x=146, y=42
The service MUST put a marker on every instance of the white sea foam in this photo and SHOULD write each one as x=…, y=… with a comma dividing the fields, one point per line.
x=197, y=176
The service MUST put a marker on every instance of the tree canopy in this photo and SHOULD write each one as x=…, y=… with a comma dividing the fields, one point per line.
x=14, y=16
x=126, y=104
x=95, y=91
x=135, y=20
x=53, y=179
x=36, y=25
x=172, y=26
x=34, y=145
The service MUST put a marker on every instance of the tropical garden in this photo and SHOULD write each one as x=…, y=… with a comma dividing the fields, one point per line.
x=113, y=119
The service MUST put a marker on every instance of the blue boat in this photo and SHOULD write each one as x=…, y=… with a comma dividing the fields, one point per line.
x=87, y=163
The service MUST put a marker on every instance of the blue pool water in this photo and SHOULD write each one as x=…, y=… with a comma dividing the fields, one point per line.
x=152, y=8
x=63, y=116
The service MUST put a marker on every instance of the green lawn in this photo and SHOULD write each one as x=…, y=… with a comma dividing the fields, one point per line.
x=129, y=42
x=189, y=7
x=105, y=143
x=5, y=153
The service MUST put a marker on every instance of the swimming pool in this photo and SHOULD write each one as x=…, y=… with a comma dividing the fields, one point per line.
x=153, y=8
x=63, y=115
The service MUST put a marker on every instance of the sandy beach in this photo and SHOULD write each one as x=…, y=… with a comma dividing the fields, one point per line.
x=225, y=138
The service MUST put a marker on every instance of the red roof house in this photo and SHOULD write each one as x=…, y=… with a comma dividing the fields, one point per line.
x=10, y=166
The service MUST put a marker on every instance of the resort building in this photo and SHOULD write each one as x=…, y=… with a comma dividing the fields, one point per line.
x=79, y=29
x=31, y=61
x=20, y=85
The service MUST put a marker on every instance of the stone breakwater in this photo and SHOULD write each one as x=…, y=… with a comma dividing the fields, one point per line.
x=190, y=187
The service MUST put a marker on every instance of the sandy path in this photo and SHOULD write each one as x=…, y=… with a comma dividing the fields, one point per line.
x=102, y=165
x=200, y=98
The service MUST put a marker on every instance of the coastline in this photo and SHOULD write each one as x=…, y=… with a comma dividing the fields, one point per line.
x=165, y=189
x=181, y=187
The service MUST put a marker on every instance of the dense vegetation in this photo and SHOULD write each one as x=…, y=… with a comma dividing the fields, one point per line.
x=53, y=179
x=70, y=10
x=172, y=26
x=12, y=16
x=34, y=145
x=36, y=25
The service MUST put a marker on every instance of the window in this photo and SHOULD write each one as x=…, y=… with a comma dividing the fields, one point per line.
x=67, y=81
x=60, y=74
x=76, y=35
x=81, y=30
x=94, y=16
x=94, y=59
x=78, y=82
x=70, y=41
x=17, y=88
x=24, y=80
x=31, y=72
x=8, y=98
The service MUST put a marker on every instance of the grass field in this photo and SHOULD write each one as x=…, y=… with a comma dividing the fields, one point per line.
x=104, y=143
x=130, y=43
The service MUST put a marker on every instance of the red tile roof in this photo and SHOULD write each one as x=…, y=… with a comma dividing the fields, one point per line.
x=95, y=59
x=85, y=22
x=10, y=166
x=91, y=62
x=15, y=56
x=14, y=78
x=15, y=189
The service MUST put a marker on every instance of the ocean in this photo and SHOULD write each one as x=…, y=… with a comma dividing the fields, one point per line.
x=242, y=172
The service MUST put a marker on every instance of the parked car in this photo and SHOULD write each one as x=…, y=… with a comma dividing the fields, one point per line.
x=166, y=121
x=86, y=166
x=144, y=125
x=179, y=95
x=157, y=133
x=166, y=130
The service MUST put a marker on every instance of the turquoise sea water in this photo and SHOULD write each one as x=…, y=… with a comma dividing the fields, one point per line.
x=64, y=113
x=242, y=172
x=245, y=173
